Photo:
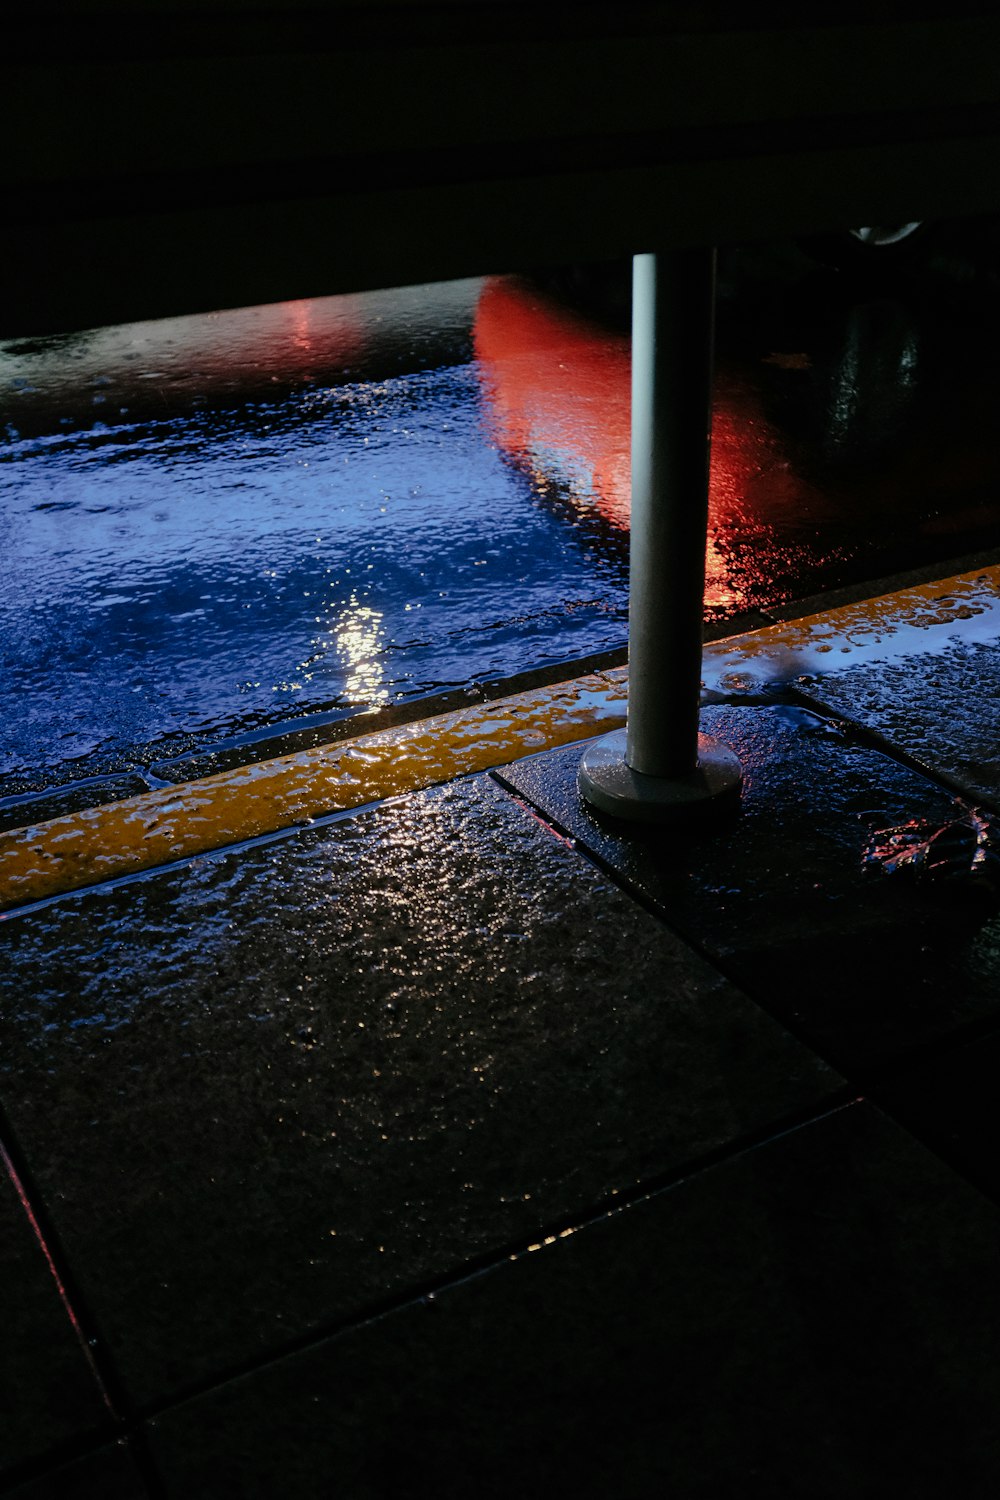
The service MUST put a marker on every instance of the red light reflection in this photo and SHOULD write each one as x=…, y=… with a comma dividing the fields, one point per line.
x=558, y=389
x=25, y=1201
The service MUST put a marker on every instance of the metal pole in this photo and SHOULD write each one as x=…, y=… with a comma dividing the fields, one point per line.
x=660, y=768
x=673, y=318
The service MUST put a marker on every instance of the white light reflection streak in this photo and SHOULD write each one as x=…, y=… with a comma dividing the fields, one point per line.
x=358, y=635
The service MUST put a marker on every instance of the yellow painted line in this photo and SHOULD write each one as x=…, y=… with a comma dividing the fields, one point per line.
x=120, y=838
x=915, y=621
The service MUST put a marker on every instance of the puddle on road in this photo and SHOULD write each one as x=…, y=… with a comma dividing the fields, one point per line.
x=222, y=568
x=276, y=517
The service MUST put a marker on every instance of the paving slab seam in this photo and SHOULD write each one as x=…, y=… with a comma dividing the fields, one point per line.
x=861, y=1079
x=865, y=1081
x=649, y=904
x=49, y=1464
x=566, y=1225
x=18, y=1169
x=871, y=739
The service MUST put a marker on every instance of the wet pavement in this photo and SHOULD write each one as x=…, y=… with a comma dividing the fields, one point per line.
x=225, y=529
x=459, y=1142
x=376, y=1119
x=745, y=1334
x=387, y=1010
x=797, y=875
x=273, y=520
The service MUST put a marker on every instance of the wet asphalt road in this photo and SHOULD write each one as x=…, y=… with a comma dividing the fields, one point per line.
x=216, y=529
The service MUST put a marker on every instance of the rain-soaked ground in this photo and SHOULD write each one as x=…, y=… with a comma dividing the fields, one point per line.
x=220, y=528
x=619, y=1139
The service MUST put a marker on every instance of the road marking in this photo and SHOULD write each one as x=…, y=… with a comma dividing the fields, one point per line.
x=139, y=833
x=918, y=621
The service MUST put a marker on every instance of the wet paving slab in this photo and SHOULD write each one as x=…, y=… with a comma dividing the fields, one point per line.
x=267, y=1093
x=802, y=898
x=263, y=1097
x=916, y=667
x=941, y=708
x=49, y=1395
x=814, y=1317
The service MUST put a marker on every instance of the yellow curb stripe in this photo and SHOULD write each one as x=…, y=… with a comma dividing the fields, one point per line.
x=911, y=622
x=121, y=838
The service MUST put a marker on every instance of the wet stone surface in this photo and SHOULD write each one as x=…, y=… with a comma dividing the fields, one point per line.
x=108, y=1474
x=263, y=1093
x=942, y=709
x=860, y=960
x=816, y=1317
x=266, y=520
x=48, y=1394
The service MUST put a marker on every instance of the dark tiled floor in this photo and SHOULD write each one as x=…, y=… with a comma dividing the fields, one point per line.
x=294, y=1115
x=960, y=739
x=264, y=1093
x=814, y=1318
x=862, y=963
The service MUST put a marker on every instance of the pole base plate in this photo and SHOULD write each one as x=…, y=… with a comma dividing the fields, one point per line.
x=711, y=790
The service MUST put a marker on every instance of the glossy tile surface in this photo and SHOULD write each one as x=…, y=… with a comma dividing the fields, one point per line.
x=816, y=1317
x=943, y=709
x=48, y=1393
x=798, y=896
x=266, y=1092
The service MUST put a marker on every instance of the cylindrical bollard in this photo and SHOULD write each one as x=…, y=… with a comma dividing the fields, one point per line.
x=673, y=317
x=660, y=768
